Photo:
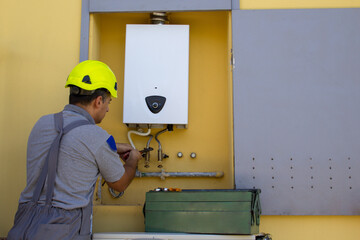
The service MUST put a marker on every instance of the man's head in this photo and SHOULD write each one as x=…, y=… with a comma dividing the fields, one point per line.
x=92, y=84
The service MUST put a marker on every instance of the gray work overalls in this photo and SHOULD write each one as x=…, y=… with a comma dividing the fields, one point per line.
x=43, y=221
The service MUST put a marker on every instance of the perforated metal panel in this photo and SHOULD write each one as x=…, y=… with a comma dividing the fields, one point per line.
x=296, y=109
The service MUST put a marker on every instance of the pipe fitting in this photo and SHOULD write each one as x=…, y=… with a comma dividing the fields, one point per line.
x=147, y=155
x=159, y=18
x=160, y=153
x=160, y=158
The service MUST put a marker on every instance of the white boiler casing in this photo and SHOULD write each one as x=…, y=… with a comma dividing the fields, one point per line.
x=156, y=81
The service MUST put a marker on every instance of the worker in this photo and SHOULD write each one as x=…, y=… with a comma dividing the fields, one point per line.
x=65, y=154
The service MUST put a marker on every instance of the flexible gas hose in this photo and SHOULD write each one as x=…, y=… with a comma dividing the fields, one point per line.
x=137, y=133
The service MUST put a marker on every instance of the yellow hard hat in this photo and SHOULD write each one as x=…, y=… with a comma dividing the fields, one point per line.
x=91, y=75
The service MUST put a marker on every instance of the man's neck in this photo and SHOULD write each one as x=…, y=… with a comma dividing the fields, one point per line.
x=87, y=108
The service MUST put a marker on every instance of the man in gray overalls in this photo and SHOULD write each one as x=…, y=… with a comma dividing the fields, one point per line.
x=66, y=152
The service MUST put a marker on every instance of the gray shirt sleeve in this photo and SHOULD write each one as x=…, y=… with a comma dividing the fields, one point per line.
x=109, y=163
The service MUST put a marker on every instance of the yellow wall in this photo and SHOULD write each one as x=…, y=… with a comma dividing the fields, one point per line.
x=39, y=44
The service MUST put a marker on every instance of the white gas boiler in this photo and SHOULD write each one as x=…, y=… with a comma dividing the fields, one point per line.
x=156, y=78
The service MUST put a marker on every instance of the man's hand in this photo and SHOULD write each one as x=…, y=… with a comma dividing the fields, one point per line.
x=123, y=149
x=133, y=158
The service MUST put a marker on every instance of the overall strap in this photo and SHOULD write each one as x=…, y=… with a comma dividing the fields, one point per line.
x=50, y=166
x=75, y=124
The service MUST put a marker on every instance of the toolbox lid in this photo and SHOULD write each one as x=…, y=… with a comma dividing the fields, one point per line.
x=208, y=195
x=168, y=236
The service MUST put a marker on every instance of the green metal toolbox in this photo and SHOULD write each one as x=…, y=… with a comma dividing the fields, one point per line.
x=203, y=211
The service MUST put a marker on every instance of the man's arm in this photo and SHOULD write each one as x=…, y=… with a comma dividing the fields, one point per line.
x=129, y=174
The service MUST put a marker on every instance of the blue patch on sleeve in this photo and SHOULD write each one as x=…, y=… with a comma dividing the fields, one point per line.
x=112, y=144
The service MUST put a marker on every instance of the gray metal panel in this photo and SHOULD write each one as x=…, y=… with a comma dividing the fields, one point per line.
x=84, y=35
x=296, y=109
x=158, y=5
x=235, y=4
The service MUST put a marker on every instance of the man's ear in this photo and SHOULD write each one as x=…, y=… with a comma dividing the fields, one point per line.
x=97, y=101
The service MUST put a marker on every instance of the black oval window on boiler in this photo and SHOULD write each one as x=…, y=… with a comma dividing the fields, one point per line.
x=155, y=103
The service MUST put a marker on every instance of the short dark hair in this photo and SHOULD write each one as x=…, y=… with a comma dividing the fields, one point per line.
x=87, y=99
